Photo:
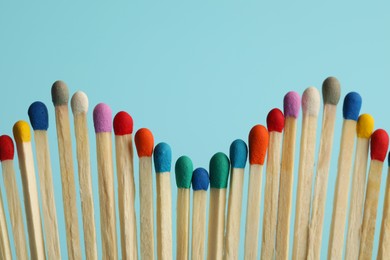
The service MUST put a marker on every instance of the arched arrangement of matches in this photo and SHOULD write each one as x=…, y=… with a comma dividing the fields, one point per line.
x=208, y=226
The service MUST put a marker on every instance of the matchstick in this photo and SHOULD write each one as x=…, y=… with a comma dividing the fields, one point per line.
x=144, y=143
x=183, y=175
x=238, y=157
x=331, y=97
x=22, y=136
x=39, y=120
x=14, y=205
x=200, y=185
x=310, y=108
x=364, y=128
x=79, y=104
x=379, y=146
x=60, y=98
x=258, y=143
x=219, y=174
x=351, y=110
x=291, y=106
x=102, y=119
x=275, y=125
x=5, y=248
x=123, y=128
x=162, y=164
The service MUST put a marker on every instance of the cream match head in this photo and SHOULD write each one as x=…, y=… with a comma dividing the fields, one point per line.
x=311, y=101
x=79, y=103
x=59, y=93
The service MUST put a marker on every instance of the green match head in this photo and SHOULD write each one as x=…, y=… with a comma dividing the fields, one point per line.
x=219, y=171
x=183, y=172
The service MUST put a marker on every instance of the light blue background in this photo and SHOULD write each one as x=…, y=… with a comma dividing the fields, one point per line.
x=199, y=75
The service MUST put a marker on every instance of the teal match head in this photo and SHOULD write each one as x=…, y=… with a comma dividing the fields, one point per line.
x=200, y=179
x=39, y=116
x=238, y=153
x=162, y=156
x=219, y=171
x=183, y=172
x=352, y=105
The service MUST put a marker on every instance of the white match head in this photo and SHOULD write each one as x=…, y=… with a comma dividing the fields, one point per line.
x=311, y=101
x=79, y=103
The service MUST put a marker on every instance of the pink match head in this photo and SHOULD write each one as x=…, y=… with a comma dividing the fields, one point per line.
x=379, y=145
x=102, y=118
x=123, y=123
x=291, y=104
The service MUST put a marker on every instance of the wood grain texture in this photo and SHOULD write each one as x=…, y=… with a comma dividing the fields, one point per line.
x=5, y=248
x=384, y=239
x=198, y=240
x=182, y=223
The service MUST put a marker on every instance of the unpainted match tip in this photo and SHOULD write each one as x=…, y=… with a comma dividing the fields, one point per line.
x=162, y=156
x=39, y=116
x=311, y=101
x=258, y=144
x=7, y=148
x=21, y=131
x=365, y=126
x=123, y=123
x=291, y=104
x=238, y=153
x=379, y=145
x=79, y=103
x=102, y=118
x=219, y=171
x=352, y=105
x=59, y=93
x=275, y=120
x=200, y=179
x=183, y=172
x=331, y=91
x=144, y=142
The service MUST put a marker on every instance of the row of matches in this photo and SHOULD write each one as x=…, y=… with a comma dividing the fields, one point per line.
x=274, y=144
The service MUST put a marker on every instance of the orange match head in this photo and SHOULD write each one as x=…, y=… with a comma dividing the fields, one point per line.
x=144, y=142
x=258, y=144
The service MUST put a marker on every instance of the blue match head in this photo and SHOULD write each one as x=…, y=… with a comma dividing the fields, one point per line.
x=162, y=156
x=238, y=153
x=39, y=117
x=200, y=179
x=352, y=105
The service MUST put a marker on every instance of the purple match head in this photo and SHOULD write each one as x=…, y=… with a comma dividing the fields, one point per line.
x=291, y=104
x=102, y=118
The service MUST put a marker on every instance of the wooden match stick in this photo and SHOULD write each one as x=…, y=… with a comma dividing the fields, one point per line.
x=162, y=163
x=364, y=128
x=14, y=205
x=102, y=119
x=39, y=119
x=275, y=125
x=200, y=184
x=219, y=174
x=291, y=105
x=379, y=146
x=60, y=97
x=351, y=110
x=310, y=108
x=79, y=104
x=331, y=97
x=5, y=248
x=123, y=128
x=22, y=136
x=258, y=143
x=144, y=143
x=183, y=174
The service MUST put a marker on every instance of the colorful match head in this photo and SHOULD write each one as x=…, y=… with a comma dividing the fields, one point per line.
x=388, y=160
x=291, y=104
x=144, y=142
x=59, y=93
x=365, y=126
x=22, y=133
x=331, y=91
x=311, y=101
x=102, y=118
x=258, y=144
x=79, y=103
x=7, y=148
x=200, y=179
x=183, y=172
x=123, y=123
x=162, y=157
x=219, y=171
x=275, y=120
x=238, y=154
x=379, y=145
x=39, y=116
x=351, y=106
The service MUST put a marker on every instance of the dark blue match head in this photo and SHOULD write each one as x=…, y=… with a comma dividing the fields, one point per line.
x=351, y=106
x=200, y=179
x=39, y=117
x=238, y=153
x=162, y=156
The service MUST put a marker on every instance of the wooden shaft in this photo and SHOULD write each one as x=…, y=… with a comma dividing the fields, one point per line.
x=198, y=225
x=384, y=239
x=5, y=248
x=183, y=223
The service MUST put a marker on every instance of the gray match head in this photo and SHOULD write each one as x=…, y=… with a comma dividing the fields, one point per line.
x=331, y=91
x=59, y=93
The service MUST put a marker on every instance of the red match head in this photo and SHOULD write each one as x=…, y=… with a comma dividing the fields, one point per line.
x=275, y=120
x=379, y=145
x=123, y=123
x=144, y=142
x=6, y=148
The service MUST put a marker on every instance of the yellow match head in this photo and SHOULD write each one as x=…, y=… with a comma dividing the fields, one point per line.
x=22, y=133
x=365, y=126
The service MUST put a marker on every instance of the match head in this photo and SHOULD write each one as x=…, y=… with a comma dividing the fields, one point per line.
x=258, y=144
x=123, y=123
x=238, y=154
x=59, y=93
x=219, y=171
x=162, y=158
x=102, y=118
x=21, y=132
x=79, y=103
x=275, y=120
x=331, y=91
x=291, y=104
x=183, y=172
x=379, y=145
x=365, y=126
x=144, y=142
x=351, y=106
x=39, y=116
x=311, y=101
x=7, y=149
x=200, y=179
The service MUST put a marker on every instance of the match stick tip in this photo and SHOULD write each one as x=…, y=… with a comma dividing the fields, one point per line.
x=379, y=145
x=79, y=103
x=59, y=93
x=258, y=144
x=102, y=118
x=352, y=105
x=21, y=131
x=219, y=171
x=7, y=149
x=162, y=156
x=331, y=91
x=291, y=104
x=365, y=126
x=238, y=153
x=39, y=116
x=275, y=120
x=200, y=179
x=144, y=142
x=123, y=123
x=183, y=172
x=311, y=101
